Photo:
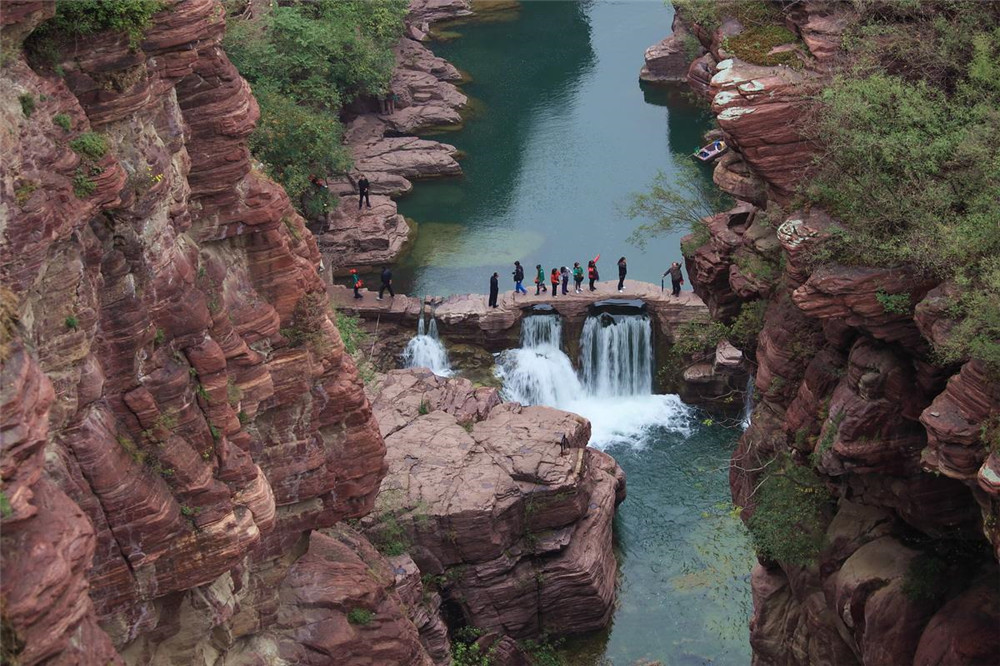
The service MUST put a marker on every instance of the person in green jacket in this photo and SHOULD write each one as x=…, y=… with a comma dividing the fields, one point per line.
x=540, y=280
x=578, y=277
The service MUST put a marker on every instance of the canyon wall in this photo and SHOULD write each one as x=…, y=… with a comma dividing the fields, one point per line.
x=179, y=415
x=849, y=390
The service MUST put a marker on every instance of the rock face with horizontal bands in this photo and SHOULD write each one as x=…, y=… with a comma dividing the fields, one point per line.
x=505, y=504
x=180, y=412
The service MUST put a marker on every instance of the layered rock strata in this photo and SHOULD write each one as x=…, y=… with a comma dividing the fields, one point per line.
x=179, y=415
x=503, y=507
x=850, y=388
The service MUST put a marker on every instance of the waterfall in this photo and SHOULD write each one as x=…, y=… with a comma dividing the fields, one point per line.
x=748, y=400
x=616, y=355
x=540, y=330
x=539, y=373
x=614, y=386
x=426, y=351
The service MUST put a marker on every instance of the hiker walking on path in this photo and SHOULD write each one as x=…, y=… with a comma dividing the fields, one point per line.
x=519, y=279
x=592, y=273
x=356, y=282
x=363, y=187
x=539, y=280
x=564, y=272
x=676, y=277
x=554, y=278
x=494, y=289
x=386, y=283
x=622, y=271
x=578, y=277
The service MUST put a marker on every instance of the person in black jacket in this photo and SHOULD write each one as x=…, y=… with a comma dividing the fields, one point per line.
x=676, y=277
x=363, y=187
x=622, y=271
x=494, y=289
x=519, y=278
x=386, y=283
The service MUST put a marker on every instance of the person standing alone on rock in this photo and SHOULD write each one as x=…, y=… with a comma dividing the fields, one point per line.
x=578, y=277
x=494, y=289
x=622, y=272
x=676, y=278
x=386, y=283
x=363, y=187
x=356, y=282
x=519, y=279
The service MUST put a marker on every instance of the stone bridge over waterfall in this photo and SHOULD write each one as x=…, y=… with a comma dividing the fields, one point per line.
x=467, y=319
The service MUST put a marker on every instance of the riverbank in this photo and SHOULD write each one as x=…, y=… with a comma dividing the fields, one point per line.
x=383, y=147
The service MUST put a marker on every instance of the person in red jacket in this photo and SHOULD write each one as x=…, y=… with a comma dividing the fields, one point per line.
x=554, y=278
x=592, y=272
x=356, y=282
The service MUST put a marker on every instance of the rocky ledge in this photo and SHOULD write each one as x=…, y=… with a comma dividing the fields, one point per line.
x=384, y=150
x=505, y=509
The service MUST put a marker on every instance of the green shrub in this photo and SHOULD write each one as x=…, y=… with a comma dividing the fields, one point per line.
x=788, y=522
x=350, y=332
x=27, y=101
x=360, y=616
x=424, y=408
x=73, y=17
x=305, y=60
x=911, y=163
x=72, y=322
x=754, y=44
x=83, y=186
x=747, y=325
x=63, y=120
x=24, y=192
x=925, y=578
x=6, y=510
x=894, y=303
x=543, y=651
x=90, y=145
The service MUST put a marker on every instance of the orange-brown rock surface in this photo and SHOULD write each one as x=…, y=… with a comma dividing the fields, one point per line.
x=505, y=505
x=848, y=386
x=179, y=412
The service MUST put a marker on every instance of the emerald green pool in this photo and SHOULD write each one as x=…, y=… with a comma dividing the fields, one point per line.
x=560, y=133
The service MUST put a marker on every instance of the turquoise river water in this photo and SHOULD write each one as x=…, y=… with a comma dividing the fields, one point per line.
x=561, y=132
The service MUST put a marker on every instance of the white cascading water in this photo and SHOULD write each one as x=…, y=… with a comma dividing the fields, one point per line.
x=426, y=351
x=616, y=355
x=748, y=401
x=615, y=391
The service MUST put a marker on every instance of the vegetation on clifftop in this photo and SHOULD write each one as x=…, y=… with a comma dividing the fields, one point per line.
x=910, y=130
x=305, y=62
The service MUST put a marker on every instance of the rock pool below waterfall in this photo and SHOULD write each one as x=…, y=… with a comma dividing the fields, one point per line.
x=684, y=556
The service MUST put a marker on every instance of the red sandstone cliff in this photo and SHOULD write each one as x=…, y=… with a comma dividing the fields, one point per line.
x=850, y=390
x=179, y=415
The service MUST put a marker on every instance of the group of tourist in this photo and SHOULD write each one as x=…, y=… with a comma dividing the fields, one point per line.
x=559, y=277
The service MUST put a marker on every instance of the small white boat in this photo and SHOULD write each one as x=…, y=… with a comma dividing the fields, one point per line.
x=711, y=151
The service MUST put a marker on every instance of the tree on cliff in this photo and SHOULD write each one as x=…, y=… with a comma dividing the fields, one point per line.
x=676, y=201
x=305, y=62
